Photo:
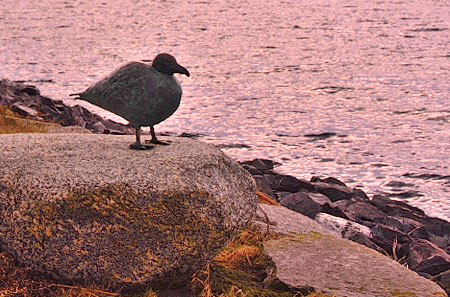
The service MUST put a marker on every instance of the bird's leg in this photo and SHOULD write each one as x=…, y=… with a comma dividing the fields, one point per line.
x=154, y=140
x=137, y=145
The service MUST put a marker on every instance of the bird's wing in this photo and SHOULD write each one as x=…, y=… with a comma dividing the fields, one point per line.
x=125, y=90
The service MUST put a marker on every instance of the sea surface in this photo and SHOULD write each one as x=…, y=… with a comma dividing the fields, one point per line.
x=373, y=75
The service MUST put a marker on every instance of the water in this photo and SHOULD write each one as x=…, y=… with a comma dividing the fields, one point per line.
x=266, y=73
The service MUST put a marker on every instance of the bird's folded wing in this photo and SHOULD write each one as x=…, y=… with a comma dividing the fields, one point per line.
x=126, y=90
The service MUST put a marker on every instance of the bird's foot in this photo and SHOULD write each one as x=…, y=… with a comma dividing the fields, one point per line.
x=140, y=147
x=156, y=141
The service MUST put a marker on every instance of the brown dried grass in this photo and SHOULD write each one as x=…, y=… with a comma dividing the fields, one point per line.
x=266, y=199
x=12, y=123
x=232, y=258
x=244, y=255
x=22, y=282
x=241, y=263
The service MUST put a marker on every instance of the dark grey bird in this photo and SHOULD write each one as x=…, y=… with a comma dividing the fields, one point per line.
x=142, y=94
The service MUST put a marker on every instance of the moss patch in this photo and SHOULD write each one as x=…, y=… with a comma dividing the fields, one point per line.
x=172, y=215
x=105, y=226
x=308, y=237
x=11, y=123
x=402, y=294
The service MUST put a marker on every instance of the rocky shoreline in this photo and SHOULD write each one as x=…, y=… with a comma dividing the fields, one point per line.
x=27, y=101
x=391, y=227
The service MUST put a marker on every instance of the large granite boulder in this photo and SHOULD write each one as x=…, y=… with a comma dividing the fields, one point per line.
x=87, y=209
x=309, y=257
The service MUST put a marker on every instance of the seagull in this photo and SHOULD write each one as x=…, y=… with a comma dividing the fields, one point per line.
x=143, y=94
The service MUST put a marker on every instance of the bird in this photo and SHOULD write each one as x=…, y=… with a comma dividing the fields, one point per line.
x=143, y=94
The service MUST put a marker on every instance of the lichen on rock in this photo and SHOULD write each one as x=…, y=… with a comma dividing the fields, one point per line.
x=309, y=257
x=116, y=217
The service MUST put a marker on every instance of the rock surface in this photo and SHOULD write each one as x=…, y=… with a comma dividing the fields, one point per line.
x=443, y=280
x=342, y=226
x=425, y=257
x=310, y=204
x=333, y=265
x=285, y=221
x=393, y=224
x=306, y=257
x=85, y=208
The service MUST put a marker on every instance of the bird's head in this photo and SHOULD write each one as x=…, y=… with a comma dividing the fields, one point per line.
x=167, y=64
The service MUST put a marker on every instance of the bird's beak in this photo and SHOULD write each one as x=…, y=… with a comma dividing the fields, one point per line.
x=182, y=70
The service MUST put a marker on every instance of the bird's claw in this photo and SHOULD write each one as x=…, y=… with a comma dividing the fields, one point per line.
x=153, y=141
x=140, y=147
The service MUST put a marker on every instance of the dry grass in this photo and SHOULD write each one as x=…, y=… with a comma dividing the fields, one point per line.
x=77, y=291
x=150, y=294
x=241, y=251
x=11, y=123
x=266, y=199
x=22, y=282
x=240, y=270
x=233, y=258
x=202, y=280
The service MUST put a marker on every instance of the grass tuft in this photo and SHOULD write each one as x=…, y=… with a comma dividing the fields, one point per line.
x=243, y=270
x=266, y=199
x=238, y=257
x=12, y=123
x=240, y=270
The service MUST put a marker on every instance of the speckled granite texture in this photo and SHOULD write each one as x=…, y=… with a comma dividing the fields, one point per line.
x=85, y=208
x=311, y=256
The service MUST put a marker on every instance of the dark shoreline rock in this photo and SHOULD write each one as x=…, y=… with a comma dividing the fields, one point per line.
x=27, y=101
x=397, y=229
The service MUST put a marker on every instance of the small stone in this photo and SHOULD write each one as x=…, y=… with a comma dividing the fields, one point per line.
x=263, y=185
x=385, y=237
x=360, y=193
x=405, y=225
x=308, y=204
x=390, y=206
x=443, y=280
x=252, y=170
x=344, y=227
x=292, y=184
x=31, y=90
x=97, y=127
x=263, y=165
x=361, y=210
x=23, y=110
x=334, y=191
x=328, y=180
x=365, y=240
x=424, y=256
